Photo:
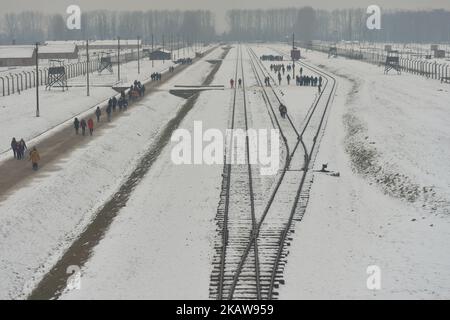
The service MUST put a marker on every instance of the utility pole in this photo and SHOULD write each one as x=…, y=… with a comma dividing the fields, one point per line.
x=171, y=45
x=164, y=59
x=153, y=52
x=139, y=60
x=178, y=46
x=118, y=58
x=293, y=62
x=87, y=62
x=37, y=80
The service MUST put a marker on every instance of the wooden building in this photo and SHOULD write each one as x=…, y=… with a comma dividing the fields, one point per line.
x=160, y=54
x=17, y=56
x=67, y=51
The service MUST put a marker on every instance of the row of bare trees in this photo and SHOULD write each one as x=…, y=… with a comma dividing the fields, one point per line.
x=29, y=27
x=244, y=25
x=343, y=24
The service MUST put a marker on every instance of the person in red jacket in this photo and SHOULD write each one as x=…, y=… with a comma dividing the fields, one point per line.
x=90, y=126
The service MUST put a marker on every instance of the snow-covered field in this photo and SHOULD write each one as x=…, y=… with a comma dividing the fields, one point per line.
x=387, y=136
x=52, y=210
x=160, y=245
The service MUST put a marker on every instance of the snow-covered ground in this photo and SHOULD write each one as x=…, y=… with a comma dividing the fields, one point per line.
x=54, y=208
x=161, y=243
x=388, y=138
x=18, y=112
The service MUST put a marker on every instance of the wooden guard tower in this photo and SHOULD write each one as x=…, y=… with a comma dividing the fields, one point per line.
x=332, y=52
x=392, y=62
x=105, y=63
x=57, y=76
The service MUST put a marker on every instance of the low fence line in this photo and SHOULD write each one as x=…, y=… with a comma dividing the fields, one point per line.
x=429, y=69
x=23, y=80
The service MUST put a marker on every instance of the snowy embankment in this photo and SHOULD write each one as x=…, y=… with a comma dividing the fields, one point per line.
x=388, y=138
x=160, y=244
x=57, y=108
x=38, y=222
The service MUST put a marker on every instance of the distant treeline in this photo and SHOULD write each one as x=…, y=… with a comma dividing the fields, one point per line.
x=345, y=24
x=29, y=27
x=244, y=25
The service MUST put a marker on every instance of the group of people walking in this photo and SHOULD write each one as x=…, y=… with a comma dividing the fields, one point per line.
x=232, y=83
x=156, y=76
x=83, y=124
x=137, y=90
x=309, y=81
x=271, y=58
x=300, y=80
x=184, y=61
x=19, y=148
x=278, y=68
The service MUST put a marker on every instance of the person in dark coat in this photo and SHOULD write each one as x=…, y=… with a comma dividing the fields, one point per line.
x=283, y=110
x=98, y=113
x=83, y=126
x=108, y=112
x=76, y=125
x=14, y=147
x=130, y=93
x=114, y=104
x=21, y=146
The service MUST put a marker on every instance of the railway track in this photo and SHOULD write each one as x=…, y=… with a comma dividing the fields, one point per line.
x=237, y=210
x=261, y=253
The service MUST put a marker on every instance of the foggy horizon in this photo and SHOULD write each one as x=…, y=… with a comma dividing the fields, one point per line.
x=218, y=8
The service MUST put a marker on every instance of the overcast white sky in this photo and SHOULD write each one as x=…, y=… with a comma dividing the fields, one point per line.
x=217, y=6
